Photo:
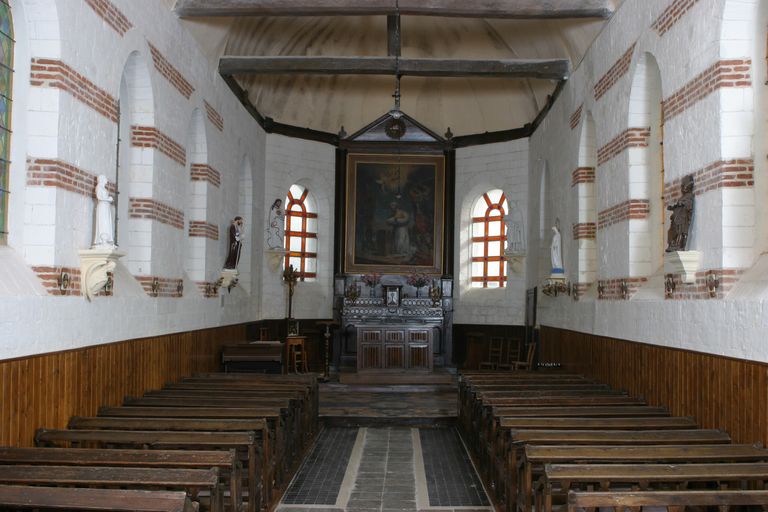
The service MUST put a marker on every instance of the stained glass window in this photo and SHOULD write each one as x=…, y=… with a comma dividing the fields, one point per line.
x=489, y=265
x=301, y=233
x=6, y=83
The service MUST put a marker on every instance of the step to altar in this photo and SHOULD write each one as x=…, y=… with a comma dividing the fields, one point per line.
x=438, y=377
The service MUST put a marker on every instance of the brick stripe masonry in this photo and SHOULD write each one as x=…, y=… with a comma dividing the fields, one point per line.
x=672, y=15
x=168, y=287
x=576, y=117
x=629, y=138
x=146, y=208
x=55, y=173
x=631, y=209
x=170, y=73
x=584, y=231
x=725, y=278
x=580, y=289
x=51, y=276
x=58, y=75
x=722, y=174
x=619, y=289
x=151, y=137
x=214, y=117
x=618, y=70
x=724, y=73
x=582, y=175
x=204, y=172
x=107, y=11
x=199, y=228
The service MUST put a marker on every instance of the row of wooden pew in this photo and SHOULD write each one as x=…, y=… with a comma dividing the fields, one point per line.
x=218, y=441
x=546, y=438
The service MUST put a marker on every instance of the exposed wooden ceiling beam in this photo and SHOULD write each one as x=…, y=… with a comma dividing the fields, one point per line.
x=394, y=35
x=517, y=9
x=553, y=69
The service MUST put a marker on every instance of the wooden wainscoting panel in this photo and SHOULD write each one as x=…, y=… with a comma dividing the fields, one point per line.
x=46, y=390
x=720, y=392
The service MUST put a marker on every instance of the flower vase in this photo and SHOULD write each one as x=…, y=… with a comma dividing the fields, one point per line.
x=372, y=291
x=418, y=292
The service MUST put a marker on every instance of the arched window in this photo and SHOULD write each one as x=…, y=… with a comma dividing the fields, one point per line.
x=489, y=265
x=6, y=83
x=301, y=233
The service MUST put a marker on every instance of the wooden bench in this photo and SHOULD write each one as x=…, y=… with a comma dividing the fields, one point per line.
x=674, y=501
x=112, y=500
x=189, y=480
x=518, y=439
x=644, y=476
x=253, y=356
x=246, y=445
x=536, y=457
x=226, y=461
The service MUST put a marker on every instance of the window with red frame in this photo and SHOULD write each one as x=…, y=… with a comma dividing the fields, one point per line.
x=301, y=233
x=489, y=265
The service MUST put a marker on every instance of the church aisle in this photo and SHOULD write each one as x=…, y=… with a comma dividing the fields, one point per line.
x=386, y=470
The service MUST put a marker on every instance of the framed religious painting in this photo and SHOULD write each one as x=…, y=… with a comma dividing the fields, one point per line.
x=395, y=213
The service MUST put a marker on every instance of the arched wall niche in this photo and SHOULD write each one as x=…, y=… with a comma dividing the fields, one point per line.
x=583, y=181
x=196, y=201
x=245, y=209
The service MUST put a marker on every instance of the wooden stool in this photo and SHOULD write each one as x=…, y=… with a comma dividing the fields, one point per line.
x=297, y=354
x=263, y=333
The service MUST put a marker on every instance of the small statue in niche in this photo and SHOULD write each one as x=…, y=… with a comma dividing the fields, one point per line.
x=236, y=235
x=556, y=250
x=682, y=215
x=104, y=234
x=276, y=226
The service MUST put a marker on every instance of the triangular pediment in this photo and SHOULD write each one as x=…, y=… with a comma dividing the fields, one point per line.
x=377, y=131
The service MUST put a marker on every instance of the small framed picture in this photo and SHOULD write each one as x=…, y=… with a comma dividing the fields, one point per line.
x=293, y=327
x=392, y=296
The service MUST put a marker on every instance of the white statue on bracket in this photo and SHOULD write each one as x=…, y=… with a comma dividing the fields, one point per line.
x=556, y=251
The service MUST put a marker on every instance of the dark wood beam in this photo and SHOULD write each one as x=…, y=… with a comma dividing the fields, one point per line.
x=519, y=9
x=477, y=139
x=394, y=41
x=553, y=69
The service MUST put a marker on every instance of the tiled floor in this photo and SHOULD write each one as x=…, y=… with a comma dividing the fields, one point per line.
x=388, y=401
x=387, y=470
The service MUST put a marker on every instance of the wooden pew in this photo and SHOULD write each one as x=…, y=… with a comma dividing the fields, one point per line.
x=642, y=475
x=226, y=461
x=536, y=457
x=106, y=500
x=518, y=439
x=246, y=445
x=674, y=501
x=189, y=480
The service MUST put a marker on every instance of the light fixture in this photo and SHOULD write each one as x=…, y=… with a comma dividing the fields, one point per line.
x=553, y=287
x=624, y=288
x=155, y=287
x=669, y=285
x=712, y=284
x=64, y=281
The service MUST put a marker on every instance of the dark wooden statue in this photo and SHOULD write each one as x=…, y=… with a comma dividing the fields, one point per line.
x=682, y=217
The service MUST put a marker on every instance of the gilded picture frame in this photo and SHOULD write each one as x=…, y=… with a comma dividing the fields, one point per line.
x=395, y=213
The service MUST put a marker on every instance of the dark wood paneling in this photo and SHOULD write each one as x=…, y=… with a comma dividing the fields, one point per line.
x=277, y=330
x=470, y=342
x=720, y=392
x=45, y=390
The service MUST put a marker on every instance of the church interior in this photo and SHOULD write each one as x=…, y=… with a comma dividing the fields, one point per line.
x=383, y=255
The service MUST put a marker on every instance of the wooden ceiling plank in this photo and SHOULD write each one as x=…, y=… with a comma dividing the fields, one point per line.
x=519, y=9
x=551, y=69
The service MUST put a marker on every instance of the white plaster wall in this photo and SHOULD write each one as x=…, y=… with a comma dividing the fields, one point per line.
x=478, y=170
x=720, y=126
x=312, y=165
x=50, y=225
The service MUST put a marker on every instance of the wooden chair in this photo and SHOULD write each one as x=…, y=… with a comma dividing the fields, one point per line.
x=512, y=352
x=495, y=349
x=526, y=364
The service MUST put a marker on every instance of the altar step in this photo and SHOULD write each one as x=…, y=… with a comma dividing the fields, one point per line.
x=439, y=377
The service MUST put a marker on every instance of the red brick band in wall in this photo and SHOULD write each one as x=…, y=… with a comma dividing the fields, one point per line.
x=173, y=75
x=42, y=172
x=167, y=287
x=672, y=15
x=107, y=11
x=724, y=73
x=151, y=137
x=722, y=282
x=631, y=209
x=582, y=175
x=214, y=117
x=51, y=277
x=204, y=172
x=580, y=289
x=722, y=174
x=147, y=208
x=622, y=288
x=199, y=228
x=629, y=138
x=576, y=117
x=584, y=231
x=618, y=70
x=58, y=75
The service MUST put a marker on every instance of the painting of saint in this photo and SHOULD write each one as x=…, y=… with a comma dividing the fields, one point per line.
x=394, y=213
